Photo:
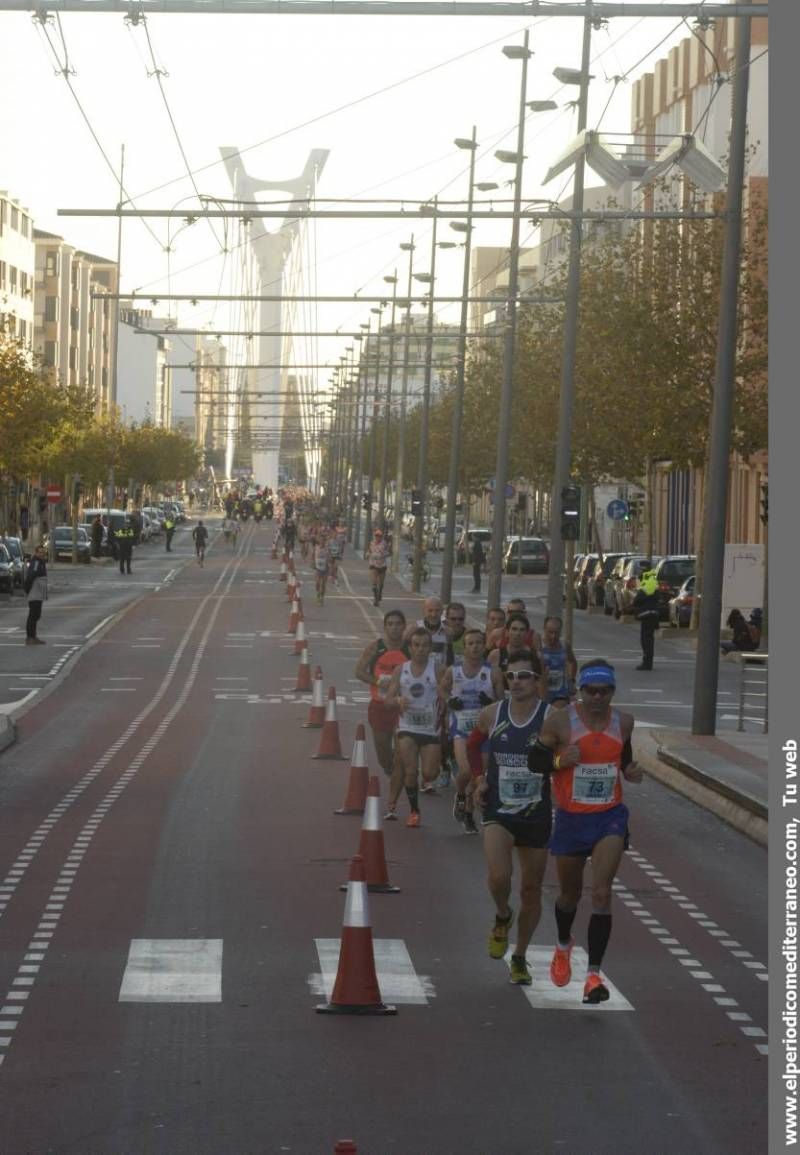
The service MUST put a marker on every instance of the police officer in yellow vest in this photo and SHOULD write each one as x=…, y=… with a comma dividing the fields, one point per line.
x=646, y=608
x=125, y=535
x=169, y=530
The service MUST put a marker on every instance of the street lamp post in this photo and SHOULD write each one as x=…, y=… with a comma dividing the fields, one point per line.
x=373, y=423
x=360, y=435
x=422, y=468
x=408, y=247
x=561, y=475
x=514, y=52
x=458, y=399
x=392, y=280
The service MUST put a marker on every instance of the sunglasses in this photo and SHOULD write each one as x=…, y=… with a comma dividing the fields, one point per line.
x=519, y=675
x=597, y=691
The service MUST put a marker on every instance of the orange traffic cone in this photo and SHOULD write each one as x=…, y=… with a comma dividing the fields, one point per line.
x=303, y=683
x=371, y=845
x=293, y=616
x=345, y=1147
x=290, y=594
x=300, y=636
x=274, y=552
x=356, y=797
x=329, y=744
x=316, y=715
x=282, y=577
x=356, y=990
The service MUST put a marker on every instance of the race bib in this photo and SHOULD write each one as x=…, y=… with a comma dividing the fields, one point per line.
x=518, y=787
x=555, y=679
x=466, y=720
x=594, y=785
x=421, y=719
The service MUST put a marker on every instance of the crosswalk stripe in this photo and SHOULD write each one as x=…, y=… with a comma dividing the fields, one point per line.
x=397, y=979
x=543, y=995
x=173, y=970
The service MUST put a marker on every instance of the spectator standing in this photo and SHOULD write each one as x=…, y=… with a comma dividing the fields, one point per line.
x=97, y=535
x=36, y=593
x=478, y=558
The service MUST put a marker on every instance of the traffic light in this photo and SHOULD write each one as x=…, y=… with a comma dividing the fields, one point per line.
x=416, y=503
x=365, y=501
x=570, y=512
x=77, y=488
x=765, y=503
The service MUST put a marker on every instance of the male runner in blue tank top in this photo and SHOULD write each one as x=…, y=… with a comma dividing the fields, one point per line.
x=516, y=807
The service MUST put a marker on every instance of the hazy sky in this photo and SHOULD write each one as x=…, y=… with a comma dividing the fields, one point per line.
x=386, y=95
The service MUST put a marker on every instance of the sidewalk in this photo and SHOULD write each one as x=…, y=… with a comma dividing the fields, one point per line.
x=726, y=773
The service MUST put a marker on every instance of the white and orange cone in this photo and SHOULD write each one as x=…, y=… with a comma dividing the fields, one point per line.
x=371, y=846
x=316, y=715
x=356, y=990
x=355, y=800
x=282, y=577
x=293, y=616
x=300, y=641
x=345, y=1147
x=303, y=683
x=329, y=745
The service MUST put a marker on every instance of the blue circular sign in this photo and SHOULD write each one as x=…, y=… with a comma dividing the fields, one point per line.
x=617, y=509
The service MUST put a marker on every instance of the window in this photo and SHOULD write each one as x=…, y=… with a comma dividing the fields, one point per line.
x=3, y=274
x=51, y=263
x=22, y=330
x=14, y=218
x=50, y=354
x=73, y=357
x=12, y=278
x=74, y=319
x=51, y=308
x=23, y=284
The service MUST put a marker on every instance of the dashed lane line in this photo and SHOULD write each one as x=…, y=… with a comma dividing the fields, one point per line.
x=170, y=970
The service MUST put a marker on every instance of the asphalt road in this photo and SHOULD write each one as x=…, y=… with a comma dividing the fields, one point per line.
x=170, y=872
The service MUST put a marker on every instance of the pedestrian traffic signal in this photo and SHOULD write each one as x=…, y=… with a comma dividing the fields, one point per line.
x=570, y=512
x=416, y=503
x=765, y=503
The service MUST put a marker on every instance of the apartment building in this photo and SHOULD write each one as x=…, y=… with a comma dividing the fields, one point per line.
x=75, y=315
x=144, y=377
x=683, y=95
x=17, y=260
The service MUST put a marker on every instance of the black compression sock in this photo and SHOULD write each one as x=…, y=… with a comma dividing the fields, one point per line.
x=598, y=936
x=564, y=921
x=413, y=797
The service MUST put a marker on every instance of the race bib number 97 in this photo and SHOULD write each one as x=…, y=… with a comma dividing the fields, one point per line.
x=518, y=787
x=593, y=785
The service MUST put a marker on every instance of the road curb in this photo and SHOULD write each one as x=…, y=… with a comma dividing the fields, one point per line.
x=8, y=732
x=736, y=807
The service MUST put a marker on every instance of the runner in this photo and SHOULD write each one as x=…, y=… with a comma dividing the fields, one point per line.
x=593, y=744
x=532, y=639
x=302, y=537
x=518, y=628
x=321, y=565
x=465, y=689
x=495, y=620
x=375, y=667
x=377, y=555
x=560, y=666
x=455, y=623
x=230, y=529
x=200, y=537
x=414, y=689
x=432, y=622
x=516, y=807
x=334, y=549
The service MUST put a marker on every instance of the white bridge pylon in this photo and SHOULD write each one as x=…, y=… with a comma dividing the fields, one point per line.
x=272, y=252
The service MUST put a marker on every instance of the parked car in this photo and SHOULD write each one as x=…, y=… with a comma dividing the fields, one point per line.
x=569, y=582
x=680, y=607
x=156, y=519
x=671, y=573
x=62, y=538
x=465, y=540
x=17, y=554
x=526, y=554
x=596, y=580
x=6, y=572
x=588, y=562
x=109, y=517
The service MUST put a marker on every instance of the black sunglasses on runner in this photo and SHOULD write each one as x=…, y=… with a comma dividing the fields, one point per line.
x=595, y=691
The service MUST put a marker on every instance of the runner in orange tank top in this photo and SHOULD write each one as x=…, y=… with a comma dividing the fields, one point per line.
x=593, y=744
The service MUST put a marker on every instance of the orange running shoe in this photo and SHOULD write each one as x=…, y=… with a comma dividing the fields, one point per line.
x=413, y=818
x=561, y=965
x=594, y=989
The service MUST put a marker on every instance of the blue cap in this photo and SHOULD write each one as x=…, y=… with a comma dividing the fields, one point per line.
x=597, y=676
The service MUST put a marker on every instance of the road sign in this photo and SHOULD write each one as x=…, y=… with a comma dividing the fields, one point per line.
x=510, y=491
x=617, y=509
x=54, y=493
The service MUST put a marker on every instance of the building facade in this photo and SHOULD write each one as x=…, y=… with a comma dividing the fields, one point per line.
x=17, y=261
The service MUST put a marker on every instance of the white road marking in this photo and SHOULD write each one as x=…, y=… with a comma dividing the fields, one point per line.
x=543, y=995
x=397, y=979
x=173, y=970
x=7, y=707
x=118, y=690
x=99, y=626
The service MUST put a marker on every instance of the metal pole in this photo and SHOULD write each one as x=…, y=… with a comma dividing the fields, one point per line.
x=388, y=414
x=422, y=467
x=401, y=430
x=458, y=400
x=561, y=473
x=360, y=434
x=373, y=423
x=704, y=713
x=352, y=438
x=507, y=391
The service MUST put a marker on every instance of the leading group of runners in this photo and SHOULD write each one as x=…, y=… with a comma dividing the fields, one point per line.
x=533, y=743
